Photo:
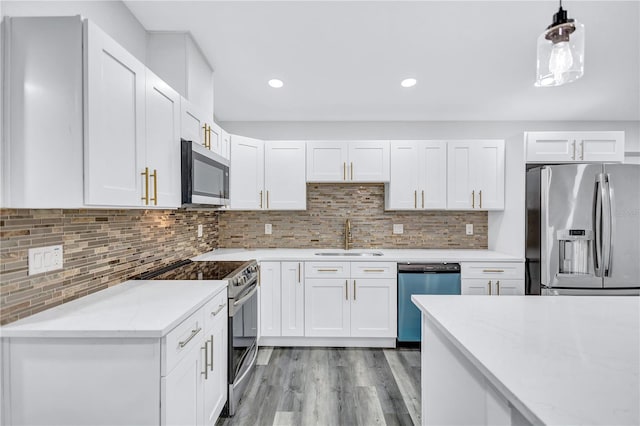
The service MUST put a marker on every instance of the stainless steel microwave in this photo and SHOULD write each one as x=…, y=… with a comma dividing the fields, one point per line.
x=205, y=176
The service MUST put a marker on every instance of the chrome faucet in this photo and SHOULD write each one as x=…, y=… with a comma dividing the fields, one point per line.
x=347, y=234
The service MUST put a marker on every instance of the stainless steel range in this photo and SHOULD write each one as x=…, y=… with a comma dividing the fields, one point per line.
x=243, y=314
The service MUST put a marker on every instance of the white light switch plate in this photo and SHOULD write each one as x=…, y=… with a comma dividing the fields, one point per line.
x=267, y=229
x=469, y=228
x=45, y=259
x=398, y=228
x=199, y=231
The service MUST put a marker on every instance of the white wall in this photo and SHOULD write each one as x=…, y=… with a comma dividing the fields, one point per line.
x=112, y=16
x=506, y=229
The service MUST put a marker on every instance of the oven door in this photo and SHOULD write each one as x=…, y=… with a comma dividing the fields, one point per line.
x=205, y=176
x=243, y=343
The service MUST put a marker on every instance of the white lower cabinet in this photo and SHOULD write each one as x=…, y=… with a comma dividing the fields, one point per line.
x=282, y=289
x=327, y=308
x=493, y=279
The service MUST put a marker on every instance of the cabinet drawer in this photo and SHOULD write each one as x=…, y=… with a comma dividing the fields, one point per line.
x=214, y=309
x=374, y=269
x=179, y=341
x=513, y=270
x=327, y=270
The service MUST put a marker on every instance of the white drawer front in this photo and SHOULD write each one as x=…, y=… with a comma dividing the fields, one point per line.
x=214, y=309
x=327, y=270
x=512, y=270
x=374, y=269
x=179, y=341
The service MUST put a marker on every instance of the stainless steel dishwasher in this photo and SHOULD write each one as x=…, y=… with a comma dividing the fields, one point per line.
x=422, y=278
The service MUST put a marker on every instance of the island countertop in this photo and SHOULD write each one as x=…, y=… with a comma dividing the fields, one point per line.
x=557, y=360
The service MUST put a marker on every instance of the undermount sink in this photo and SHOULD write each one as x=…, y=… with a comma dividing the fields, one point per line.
x=376, y=253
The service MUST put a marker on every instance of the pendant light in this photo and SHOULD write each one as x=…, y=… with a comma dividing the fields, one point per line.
x=560, y=51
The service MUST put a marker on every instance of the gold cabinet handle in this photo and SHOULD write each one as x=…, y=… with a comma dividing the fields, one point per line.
x=267, y=198
x=346, y=289
x=498, y=286
x=299, y=272
x=481, y=198
x=573, y=144
x=582, y=150
x=344, y=171
x=493, y=270
x=220, y=308
x=211, y=353
x=206, y=360
x=206, y=138
x=188, y=339
x=354, y=289
x=423, y=198
x=373, y=270
x=260, y=199
x=145, y=198
x=473, y=199
x=415, y=199
x=154, y=175
x=351, y=170
x=327, y=270
x=489, y=285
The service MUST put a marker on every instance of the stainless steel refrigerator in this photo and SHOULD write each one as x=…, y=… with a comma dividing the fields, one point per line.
x=583, y=229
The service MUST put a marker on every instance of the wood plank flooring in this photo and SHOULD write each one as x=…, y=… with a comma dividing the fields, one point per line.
x=332, y=386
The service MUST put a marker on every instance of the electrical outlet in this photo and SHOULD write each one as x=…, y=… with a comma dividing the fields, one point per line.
x=398, y=228
x=199, y=231
x=45, y=259
x=267, y=229
x=469, y=228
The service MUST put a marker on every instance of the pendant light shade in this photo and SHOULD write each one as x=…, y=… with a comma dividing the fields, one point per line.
x=560, y=51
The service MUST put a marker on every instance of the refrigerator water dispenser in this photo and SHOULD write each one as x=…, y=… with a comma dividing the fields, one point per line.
x=575, y=251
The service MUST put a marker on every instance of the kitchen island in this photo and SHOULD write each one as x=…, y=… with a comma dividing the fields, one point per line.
x=538, y=360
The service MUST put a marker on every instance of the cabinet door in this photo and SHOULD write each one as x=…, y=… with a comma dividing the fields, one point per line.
x=225, y=147
x=327, y=161
x=284, y=177
x=460, y=185
x=476, y=286
x=368, y=161
x=163, y=141
x=114, y=122
x=215, y=138
x=432, y=157
x=326, y=308
x=247, y=174
x=374, y=308
x=192, y=122
x=292, y=298
x=404, y=180
x=600, y=146
x=215, y=384
x=488, y=168
x=508, y=288
x=182, y=390
x=270, y=297
x=550, y=147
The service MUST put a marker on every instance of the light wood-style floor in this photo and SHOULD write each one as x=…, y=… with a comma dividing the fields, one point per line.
x=332, y=386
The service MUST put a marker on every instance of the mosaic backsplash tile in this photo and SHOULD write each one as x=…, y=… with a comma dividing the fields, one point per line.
x=101, y=248
x=328, y=207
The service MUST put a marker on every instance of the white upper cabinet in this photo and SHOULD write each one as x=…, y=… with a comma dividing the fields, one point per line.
x=246, y=185
x=348, y=161
x=570, y=147
x=42, y=163
x=114, y=123
x=192, y=123
x=163, y=141
x=418, y=175
x=267, y=175
x=225, y=144
x=475, y=175
x=284, y=178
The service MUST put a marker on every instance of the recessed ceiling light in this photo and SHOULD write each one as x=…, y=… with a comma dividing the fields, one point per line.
x=408, y=82
x=275, y=83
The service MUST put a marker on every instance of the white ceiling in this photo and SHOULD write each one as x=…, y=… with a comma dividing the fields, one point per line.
x=339, y=60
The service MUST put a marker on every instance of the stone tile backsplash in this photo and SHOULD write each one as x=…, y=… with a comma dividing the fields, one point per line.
x=101, y=248
x=329, y=205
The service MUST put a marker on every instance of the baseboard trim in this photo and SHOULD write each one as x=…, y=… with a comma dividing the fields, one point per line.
x=336, y=342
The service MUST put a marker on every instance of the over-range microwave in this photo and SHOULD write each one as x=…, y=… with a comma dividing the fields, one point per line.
x=205, y=176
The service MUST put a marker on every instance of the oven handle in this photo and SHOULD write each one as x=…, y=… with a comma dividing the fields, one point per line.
x=253, y=360
x=246, y=297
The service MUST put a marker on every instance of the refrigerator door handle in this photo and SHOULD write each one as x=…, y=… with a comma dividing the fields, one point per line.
x=597, y=225
x=607, y=244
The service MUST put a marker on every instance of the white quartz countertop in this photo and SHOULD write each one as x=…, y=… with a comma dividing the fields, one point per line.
x=559, y=360
x=131, y=309
x=393, y=255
